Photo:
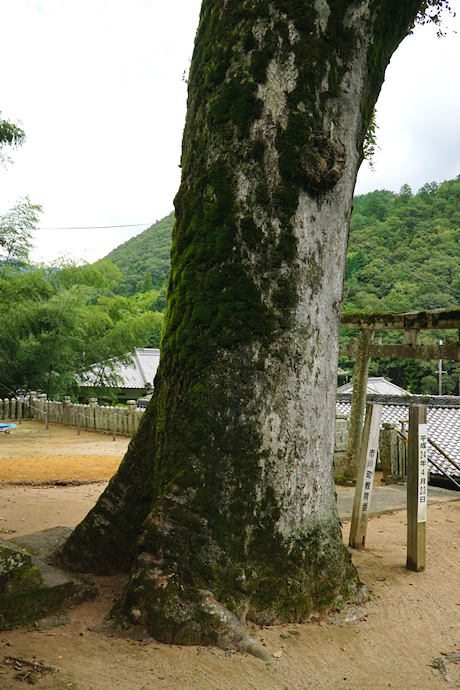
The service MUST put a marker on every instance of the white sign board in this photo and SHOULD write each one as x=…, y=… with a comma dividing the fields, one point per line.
x=369, y=472
x=422, y=472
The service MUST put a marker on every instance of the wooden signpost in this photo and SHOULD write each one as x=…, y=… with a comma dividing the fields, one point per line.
x=417, y=487
x=365, y=480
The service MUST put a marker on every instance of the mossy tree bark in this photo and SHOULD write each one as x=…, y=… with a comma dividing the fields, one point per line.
x=226, y=493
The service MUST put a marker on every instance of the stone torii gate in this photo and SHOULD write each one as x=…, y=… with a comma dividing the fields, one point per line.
x=367, y=347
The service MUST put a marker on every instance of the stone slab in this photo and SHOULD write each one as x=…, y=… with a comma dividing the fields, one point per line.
x=43, y=543
x=56, y=589
x=386, y=499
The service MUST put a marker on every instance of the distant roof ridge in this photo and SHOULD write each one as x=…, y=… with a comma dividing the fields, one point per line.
x=409, y=399
x=377, y=384
x=138, y=374
x=139, y=364
x=443, y=419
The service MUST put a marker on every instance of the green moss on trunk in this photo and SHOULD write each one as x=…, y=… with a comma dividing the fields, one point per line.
x=203, y=501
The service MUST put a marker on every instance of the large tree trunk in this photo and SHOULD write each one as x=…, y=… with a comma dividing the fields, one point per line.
x=227, y=493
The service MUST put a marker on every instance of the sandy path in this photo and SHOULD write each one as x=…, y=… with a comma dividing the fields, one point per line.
x=412, y=618
x=24, y=510
x=32, y=453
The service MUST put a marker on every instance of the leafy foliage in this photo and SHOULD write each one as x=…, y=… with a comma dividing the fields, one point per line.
x=16, y=228
x=370, y=140
x=144, y=260
x=404, y=255
x=431, y=12
x=55, y=322
x=10, y=135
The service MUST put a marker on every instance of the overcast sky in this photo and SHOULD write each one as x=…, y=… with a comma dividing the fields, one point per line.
x=97, y=85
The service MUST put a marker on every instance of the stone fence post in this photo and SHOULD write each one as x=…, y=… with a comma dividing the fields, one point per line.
x=92, y=412
x=340, y=442
x=42, y=400
x=31, y=404
x=66, y=403
x=130, y=417
x=389, y=451
x=91, y=416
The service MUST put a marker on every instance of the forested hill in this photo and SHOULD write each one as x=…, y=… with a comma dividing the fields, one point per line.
x=420, y=231
x=144, y=259
x=404, y=252
x=404, y=255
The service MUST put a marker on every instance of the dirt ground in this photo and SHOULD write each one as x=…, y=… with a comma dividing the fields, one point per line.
x=390, y=642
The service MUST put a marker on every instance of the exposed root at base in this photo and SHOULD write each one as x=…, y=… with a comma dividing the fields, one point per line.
x=232, y=634
x=441, y=664
x=231, y=631
x=28, y=671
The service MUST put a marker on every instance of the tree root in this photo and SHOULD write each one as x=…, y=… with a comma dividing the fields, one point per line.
x=232, y=634
x=441, y=664
x=31, y=673
x=37, y=665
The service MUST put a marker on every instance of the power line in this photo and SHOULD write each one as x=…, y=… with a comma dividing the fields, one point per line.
x=99, y=227
x=390, y=259
x=377, y=252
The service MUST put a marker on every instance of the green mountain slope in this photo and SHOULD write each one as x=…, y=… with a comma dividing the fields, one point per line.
x=404, y=255
x=421, y=231
x=404, y=252
x=144, y=259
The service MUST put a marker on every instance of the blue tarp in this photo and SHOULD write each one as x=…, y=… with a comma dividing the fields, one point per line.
x=7, y=427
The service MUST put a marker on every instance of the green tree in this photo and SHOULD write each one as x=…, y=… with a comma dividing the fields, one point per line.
x=370, y=140
x=224, y=503
x=16, y=231
x=10, y=135
x=56, y=322
x=146, y=284
x=145, y=254
x=405, y=192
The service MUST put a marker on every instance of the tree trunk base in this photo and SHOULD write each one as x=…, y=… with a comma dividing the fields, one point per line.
x=225, y=629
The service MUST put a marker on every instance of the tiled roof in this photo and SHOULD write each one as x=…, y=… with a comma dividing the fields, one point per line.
x=443, y=429
x=443, y=418
x=143, y=369
x=376, y=384
x=140, y=373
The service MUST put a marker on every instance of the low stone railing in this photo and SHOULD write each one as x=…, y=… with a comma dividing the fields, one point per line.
x=117, y=420
x=122, y=420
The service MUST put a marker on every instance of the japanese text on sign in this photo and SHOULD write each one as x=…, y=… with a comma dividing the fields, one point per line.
x=367, y=487
x=422, y=472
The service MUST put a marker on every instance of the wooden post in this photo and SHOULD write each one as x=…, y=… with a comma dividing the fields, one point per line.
x=114, y=426
x=21, y=401
x=365, y=480
x=78, y=423
x=358, y=403
x=417, y=487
